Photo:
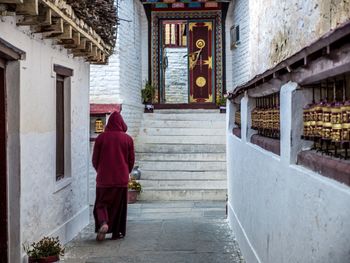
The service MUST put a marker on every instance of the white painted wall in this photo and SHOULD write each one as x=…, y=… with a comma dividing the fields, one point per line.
x=281, y=28
x=238, y=60
x=48, y=207
x=122, y=79
x=282, y=212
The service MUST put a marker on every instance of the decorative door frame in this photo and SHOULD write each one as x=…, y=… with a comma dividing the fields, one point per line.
x=156, y=17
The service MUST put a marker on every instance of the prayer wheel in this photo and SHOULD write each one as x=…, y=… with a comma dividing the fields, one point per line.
x=327, y=124
x=345, y=132
x=319, y=120
x=346, y=122
x=306, y=118
x=346, y=112
x=336, y=120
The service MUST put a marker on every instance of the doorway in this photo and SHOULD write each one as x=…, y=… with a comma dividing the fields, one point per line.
x=187, y=61
x=3, y=169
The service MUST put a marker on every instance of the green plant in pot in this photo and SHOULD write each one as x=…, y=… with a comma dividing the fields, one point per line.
x=134, y=188
x=47, y=250
x=222, y=104
x=147, y=94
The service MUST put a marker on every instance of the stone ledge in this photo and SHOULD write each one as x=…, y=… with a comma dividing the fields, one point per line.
x=328, y=166
x=269, y=144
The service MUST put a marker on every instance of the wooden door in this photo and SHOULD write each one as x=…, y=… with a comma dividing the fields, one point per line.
x=3, y=170
x=201, y=62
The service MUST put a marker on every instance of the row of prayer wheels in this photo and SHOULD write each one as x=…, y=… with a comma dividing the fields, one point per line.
x=266, y=116
x=328, y=121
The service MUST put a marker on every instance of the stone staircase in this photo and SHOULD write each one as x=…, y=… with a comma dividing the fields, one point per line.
x=181, y=154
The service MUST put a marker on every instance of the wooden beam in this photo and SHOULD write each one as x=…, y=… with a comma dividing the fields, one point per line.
x=67, y=32
x=29, y=7
x=83, y=43
x=55, y=28
x=43, y=19
x=75, y=26
x=11, y=1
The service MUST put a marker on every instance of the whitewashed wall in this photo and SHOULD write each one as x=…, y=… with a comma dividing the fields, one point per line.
x=122, y=79
x=282, y=212
x=48, y=207
x=238, y=60
x=281, y=28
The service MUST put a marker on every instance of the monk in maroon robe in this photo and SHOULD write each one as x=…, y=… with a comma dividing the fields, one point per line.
x=113, y=159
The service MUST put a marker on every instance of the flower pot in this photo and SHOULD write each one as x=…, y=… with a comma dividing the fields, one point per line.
x=222, y=109
x=49, y=259
x=132, y=196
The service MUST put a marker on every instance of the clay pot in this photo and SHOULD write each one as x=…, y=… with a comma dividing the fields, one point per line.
x=132, y=196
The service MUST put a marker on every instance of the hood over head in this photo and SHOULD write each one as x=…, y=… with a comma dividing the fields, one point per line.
x=116, y=123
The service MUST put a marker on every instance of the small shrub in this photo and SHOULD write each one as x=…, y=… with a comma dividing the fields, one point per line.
x=47, y=246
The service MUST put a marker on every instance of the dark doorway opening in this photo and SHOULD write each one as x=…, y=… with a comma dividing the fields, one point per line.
x=3, y=169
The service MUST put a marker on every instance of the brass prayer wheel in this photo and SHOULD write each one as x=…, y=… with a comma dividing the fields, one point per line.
x=346, y=112
x=345, y=137
x=306, y=118
x=319, y=120
x=327, y=124
x=99, y=127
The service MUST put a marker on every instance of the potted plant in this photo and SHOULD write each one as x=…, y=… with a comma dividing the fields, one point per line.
x=222, y=104
x=134, y=188
x=47, y=250
x=147, y=94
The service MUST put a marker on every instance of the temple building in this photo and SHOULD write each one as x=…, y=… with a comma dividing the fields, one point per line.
x=46, y=48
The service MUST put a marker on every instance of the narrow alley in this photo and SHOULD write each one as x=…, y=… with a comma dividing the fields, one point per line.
x=166, y=232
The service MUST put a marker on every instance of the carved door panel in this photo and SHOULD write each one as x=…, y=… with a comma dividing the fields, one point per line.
x=3, y=172
x=201, y=62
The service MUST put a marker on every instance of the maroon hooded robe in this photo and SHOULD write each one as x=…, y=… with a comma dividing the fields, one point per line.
x=113, y=159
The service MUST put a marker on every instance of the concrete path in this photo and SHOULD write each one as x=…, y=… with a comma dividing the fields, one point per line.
x=164, y=232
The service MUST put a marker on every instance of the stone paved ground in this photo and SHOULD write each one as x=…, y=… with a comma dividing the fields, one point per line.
x=164, y=232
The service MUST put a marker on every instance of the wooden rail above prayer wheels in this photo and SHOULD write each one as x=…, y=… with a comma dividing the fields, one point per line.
x=56, y=19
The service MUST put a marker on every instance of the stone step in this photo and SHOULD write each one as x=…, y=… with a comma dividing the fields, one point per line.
x=181, y=166
x=182, y=139
x=183, y=184
x=179, y=148
x=183, y=194
x=185, y=117
x=183, y=175
x=212, y=124
x=151, y=131
x=180, y=156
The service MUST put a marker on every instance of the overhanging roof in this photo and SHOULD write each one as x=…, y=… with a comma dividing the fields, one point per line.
x=57, y=20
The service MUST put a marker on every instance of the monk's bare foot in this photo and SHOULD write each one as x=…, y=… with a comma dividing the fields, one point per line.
x=102, y=232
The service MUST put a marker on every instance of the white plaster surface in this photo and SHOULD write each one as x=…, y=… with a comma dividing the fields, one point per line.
x=281, y=28
x=122, y=79
x=281, y=212
x=238, y=60
x=44, y=210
